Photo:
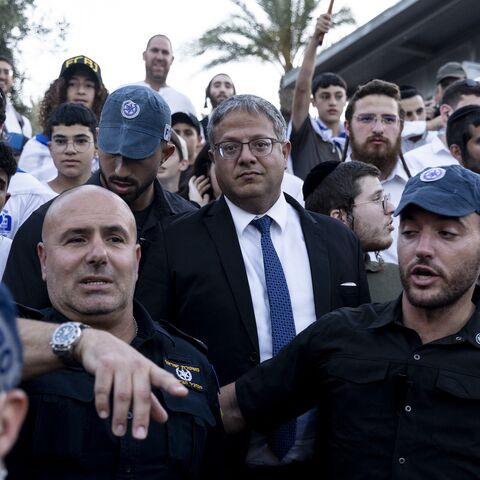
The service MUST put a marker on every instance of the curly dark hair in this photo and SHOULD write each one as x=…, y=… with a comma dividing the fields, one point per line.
x=7, y=161
x=57, y=94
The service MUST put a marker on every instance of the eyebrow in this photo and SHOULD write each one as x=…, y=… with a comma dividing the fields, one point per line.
x=109, y=229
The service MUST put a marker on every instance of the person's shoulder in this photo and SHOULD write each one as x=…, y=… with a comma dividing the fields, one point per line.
x=178, y=204
x=23, y=182
x=347, y=320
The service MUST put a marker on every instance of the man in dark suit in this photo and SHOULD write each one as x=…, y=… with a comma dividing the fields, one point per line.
x=231, y=279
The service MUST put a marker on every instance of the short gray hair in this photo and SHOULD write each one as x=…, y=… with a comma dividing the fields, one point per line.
x=249, y=104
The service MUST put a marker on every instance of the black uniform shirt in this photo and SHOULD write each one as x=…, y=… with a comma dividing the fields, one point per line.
x=391, y=408
x=63, y=436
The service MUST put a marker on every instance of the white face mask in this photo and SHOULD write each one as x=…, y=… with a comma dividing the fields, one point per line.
x=412, y=129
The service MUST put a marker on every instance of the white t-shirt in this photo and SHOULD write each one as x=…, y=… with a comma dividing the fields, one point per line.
x=5, y=244
x=12, y=124
x=27, y=194
x=177, y=101
x=37, y=161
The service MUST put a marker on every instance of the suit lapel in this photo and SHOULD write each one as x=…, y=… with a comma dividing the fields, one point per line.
x=318, y=257
x=221, y=228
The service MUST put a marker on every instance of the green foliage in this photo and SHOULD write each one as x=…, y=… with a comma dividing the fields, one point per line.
x=16, y=24
x=277, y=39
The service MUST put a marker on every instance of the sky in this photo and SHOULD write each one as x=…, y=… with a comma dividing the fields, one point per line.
x=114, y=34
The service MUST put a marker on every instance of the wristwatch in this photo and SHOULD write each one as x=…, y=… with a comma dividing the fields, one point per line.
x=64, y=339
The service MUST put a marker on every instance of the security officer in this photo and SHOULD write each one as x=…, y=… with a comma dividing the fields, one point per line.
x=89, y=259
x=398, y=384
x=133, y=140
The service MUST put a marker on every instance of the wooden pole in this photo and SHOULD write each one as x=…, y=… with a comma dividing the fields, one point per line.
x=330, y=9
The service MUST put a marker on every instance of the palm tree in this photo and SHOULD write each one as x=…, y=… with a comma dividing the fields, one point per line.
x=277, y=39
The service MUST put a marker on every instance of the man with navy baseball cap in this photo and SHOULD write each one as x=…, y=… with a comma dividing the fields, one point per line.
x=133, y=141
x=398, y=383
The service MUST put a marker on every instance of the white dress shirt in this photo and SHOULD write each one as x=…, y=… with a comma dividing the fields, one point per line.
x=288, y=240
x=433, y=154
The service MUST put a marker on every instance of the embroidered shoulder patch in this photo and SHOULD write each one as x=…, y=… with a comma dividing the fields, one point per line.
x=188, y=375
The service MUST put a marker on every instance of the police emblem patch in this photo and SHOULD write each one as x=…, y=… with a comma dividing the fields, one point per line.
x=188, y=375
x=477, y=338
x=130, y=109
x=433, y=174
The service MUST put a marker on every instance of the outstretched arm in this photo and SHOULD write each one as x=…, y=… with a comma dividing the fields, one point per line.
x=120, y=373
x=303, y=85
x=232, y=417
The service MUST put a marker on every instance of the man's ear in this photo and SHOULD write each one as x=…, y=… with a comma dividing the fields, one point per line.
x=13, y=409
x=347, y=127
x=456, y=152
x=445, y=112
x=339, y=214
x=42, y=256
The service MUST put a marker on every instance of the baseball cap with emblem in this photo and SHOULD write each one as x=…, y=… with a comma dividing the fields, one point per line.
x=134, y=120
x=10, y=345
x=81, y=62
x=453, y=191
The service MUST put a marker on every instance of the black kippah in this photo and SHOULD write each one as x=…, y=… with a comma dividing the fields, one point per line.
x=463, y=112
x=316, y=176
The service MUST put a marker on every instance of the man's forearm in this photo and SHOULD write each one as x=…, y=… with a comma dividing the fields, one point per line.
x=232, y=417
x=37, y=354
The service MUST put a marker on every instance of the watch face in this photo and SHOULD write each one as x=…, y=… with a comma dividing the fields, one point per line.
x=65, y=334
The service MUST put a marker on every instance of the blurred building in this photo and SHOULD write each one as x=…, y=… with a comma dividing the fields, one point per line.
x=406, y=44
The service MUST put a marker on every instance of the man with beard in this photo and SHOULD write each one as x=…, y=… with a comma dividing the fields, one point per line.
x=373, y=121
x=158, y=58
x=463, y=136
x=352, y=193
x=398, y=382
x=219, y=88
x=133, y=141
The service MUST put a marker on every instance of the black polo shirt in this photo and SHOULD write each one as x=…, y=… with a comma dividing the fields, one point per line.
x=390, y=407
x=63, y=436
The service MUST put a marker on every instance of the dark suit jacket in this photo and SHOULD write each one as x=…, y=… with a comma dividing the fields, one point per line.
x=210, y=296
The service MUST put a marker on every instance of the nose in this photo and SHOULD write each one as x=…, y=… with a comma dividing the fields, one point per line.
x=246, y=154
x=424, y=247
x=378, y=125
x=97, y=252
x=70, y=148
x=121, y=166
x=390, y=208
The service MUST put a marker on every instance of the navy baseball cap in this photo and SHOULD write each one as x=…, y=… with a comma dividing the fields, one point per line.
x=10, y=346
x=453, y=191
x=134, y=120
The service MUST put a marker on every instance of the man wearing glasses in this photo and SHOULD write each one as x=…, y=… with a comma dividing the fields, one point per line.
x=352, y=193
x=253, y=269
x=373, y=121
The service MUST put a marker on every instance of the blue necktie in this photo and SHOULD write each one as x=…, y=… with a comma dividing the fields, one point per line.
x=283, y=326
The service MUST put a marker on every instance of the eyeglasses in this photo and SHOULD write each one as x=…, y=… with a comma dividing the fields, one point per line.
x=260, y=147
x=81, y=145
x=385, y=200
x=370, y=119
x=7, y=71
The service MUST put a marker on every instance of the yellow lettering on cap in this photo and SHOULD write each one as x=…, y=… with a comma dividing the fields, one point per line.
x=76, y=59
x=90, y=63
x=69, y=62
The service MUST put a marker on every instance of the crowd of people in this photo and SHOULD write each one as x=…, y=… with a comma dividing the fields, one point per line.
x=240, y=296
